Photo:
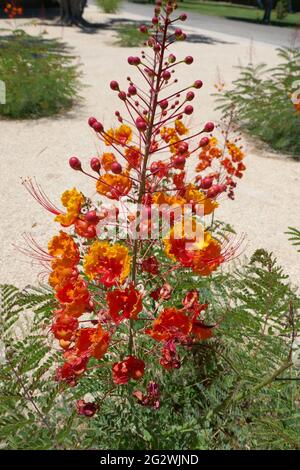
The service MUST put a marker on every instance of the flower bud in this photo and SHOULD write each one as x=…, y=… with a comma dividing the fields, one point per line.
x=132, y=90
x=188, y=109
x=209, y=127
x=204, y=142
x=75, y=164
x=172, y=58
x=114, y=85
x=166, y=75
x=190, y=96
x=98, y=127
x=183, y=17
x=92, y=121
x=95, y=164
x=206, y=183
x=189, y=60
x=141, y=124
x=143, y=29
x=198, y=84
x=116, y=168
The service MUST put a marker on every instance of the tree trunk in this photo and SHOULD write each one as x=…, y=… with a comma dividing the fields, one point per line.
x=71, y=11
x=268, y=5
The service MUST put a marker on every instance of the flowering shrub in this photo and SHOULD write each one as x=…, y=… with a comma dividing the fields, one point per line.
x=112, y=267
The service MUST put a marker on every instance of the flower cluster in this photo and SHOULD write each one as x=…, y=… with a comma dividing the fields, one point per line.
x=112, y=279
x=13, y=9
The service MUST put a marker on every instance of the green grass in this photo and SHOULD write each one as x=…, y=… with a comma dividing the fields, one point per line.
x=128, y=35
x=40, y=76
x=227, y=10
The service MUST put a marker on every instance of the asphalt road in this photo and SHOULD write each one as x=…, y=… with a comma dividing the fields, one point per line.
x=278, y=36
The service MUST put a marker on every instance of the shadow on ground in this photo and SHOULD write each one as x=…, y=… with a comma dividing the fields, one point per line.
x=259, y=22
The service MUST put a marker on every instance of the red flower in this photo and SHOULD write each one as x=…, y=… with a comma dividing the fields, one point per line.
x=86, y=409
x=170, y=324
x=92, y=341
x=72, y=368
x=151, y=399
x=170, y=358
x=150, y=265
x=130, y=368
x=124, y=304
x=64, y=327
x=75, y=297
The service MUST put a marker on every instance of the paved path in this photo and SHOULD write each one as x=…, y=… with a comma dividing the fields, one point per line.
x=278, y=36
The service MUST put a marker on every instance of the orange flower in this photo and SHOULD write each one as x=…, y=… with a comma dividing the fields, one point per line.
x=120, y=136
x=72, y=200
x=198, y=251
x=161, y=198
x=123, y=134
x=92, y=341
x=134, y=157
x=208, y=259
x=74, y=297
x=130, y=368
x=109, y=264
x=124, y=303
x=107, y=160
x=114, y=186
x=170, y=324
x=62, y=247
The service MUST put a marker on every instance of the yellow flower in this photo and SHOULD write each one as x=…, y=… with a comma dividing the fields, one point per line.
x=72, y=200
x=109, y=264
x=180, y=127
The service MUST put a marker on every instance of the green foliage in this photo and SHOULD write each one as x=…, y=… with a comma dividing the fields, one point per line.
x=261, y=98
x=109, y=6
x=282, y=9
x=232, y=392
x=129, y=36
x=40, y=77
x=294, y=236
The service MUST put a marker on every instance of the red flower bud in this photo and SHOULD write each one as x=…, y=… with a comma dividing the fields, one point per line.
x=98, y=127
x=95, y=164
x=188, y=110
x=198, y=84
x=166, y=75
x=190, y=96
x=75, y=164
x=92, y=121
x=206, y=182
x=189, y=60
x=209, y=127
x=122, y=95
x=178, y=32
x=141, y=124
x=164, y=104
x=132, y=90
x=154, y=20
x=143, y=29
x=172, y=58
x=204, y=142
x=179, y=162
x=116, y=168
x=92, y=218
x=183, y=17
x=114, y=85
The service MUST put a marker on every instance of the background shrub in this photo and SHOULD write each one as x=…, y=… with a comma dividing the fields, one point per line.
x=40, y=76
x=262, y=99
x=109, y=6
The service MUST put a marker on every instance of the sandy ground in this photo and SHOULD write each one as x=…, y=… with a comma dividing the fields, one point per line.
x=267, y=199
